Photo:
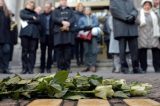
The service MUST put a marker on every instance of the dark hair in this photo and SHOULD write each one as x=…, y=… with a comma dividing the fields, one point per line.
x=5, y=9
x=149, y=3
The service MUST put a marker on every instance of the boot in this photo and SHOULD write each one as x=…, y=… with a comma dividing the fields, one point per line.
x=6, y=71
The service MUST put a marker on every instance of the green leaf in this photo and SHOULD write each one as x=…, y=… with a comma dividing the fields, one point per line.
x=94, y=82
x=60, y=77
x=61, y=93
x=56, y=87
x=23, y=82
x=120, y=94
x=33, y=85
x=13, y=80
x=26, y=94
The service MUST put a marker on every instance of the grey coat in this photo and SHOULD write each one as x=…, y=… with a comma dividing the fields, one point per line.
x=121, y=9
x=146, y=38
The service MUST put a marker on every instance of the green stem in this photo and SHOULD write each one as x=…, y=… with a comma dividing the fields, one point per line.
x=8, y=92
x=86, y=92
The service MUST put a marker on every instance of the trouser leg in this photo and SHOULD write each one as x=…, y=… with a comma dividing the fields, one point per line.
x=5, y=57
x=122, y=49
x=32, y=54
x=143, y=58
x=156, y=59
x=133, y=47
x=43, y=56
x=49, y=59
x=24, y=57
x=67, y=56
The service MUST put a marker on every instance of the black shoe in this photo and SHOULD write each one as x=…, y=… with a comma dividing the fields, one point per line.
x=78, y=63
x=42, y=71
x=82, y=63
x=157, y=71
x=125, y=71
x=24, y=72
x=138, y=71
x=7, y=72
x=48, y=70
x=85, y=70
x=30, y=72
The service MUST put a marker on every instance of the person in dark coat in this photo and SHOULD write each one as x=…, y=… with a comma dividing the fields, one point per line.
x=79, y=49
x=46, y=38
x=63, y=19
x=5, y=39
x=126, y=31
x=29, y=35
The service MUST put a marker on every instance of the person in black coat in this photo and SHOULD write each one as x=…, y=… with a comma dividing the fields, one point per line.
x=79, y=49
x=46, y=38
x=126, y=31
x=63, y=19
x=5, y=39
x=29, y=35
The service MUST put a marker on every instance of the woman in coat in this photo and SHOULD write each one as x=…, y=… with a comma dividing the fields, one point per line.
x=5, y=39
x=79, y=49
x=29, y=35
x=149, y=33
x=86, y=23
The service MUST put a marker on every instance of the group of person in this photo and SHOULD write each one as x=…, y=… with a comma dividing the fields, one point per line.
x=133, y=32
x=56, y=30
x=65, y=32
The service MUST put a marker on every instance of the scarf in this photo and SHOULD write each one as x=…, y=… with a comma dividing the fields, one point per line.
x=156, y=28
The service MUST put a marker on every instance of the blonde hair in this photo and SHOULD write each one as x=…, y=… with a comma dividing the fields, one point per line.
x=78, y=5
x=29, y=1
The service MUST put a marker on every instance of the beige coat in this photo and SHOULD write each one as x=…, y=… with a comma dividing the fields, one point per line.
x=146, y=38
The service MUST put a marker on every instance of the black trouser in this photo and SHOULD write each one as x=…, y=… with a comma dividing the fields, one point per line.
x=109, y=56
x=11, y=52
x=133, y=47
x=63, y=53
x=47, y=45
x=79, y=50
x=29, y=47
x=4, y=56
x=155, y=57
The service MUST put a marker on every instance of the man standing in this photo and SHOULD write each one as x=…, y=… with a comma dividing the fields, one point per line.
x=46, y=38
x=63, y=19
x=126, y=31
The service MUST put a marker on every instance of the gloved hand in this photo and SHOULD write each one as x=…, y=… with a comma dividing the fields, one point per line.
x=130, y=19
